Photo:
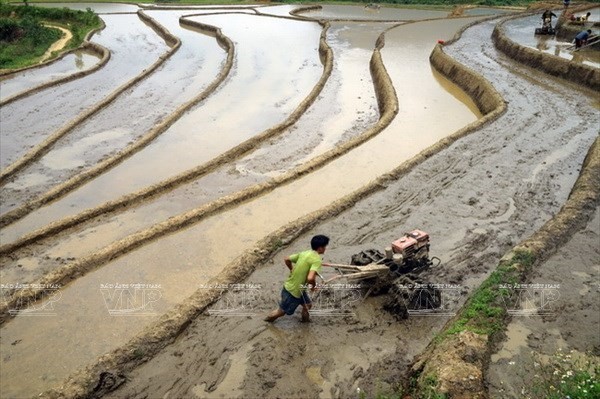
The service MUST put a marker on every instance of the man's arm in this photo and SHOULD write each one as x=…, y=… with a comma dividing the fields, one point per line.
x=311, y=279
x=288, y=263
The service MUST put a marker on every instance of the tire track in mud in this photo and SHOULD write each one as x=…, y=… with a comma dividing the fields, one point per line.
x=42, y=148
x=101, y=51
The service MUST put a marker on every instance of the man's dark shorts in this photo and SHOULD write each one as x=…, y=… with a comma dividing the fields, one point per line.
x=289, y=303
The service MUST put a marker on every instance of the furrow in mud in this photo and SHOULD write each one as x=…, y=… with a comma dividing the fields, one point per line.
x=43, y=148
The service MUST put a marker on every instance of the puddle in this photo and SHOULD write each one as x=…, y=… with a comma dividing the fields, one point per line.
x=31, y=180
x=516, y=339
x=67, y=157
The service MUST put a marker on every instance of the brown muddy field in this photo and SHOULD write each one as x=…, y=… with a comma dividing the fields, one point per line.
x=477, y=198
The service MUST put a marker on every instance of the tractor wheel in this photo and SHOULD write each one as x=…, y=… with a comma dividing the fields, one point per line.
x=409, y=293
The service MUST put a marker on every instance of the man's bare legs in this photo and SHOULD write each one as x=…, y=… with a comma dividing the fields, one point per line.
x=305, y=313
x=274, y=315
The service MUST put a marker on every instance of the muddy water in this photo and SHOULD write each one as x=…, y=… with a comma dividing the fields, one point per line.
x=478, y=11
x=360, y=12
x=184, y=260
x=28, y=121
x=80, y=60
x=193, y=67
x=283, y=10
x=521, y=30
x=346, y=107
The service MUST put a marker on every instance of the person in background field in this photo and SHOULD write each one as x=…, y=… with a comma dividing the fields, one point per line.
x=566, y=3
x=583, y=18
x=582, y=38
x=304, y=267
x=547, y=19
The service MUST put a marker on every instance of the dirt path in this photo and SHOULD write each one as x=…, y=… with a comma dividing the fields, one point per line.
x=59, y=44
x=477, y=199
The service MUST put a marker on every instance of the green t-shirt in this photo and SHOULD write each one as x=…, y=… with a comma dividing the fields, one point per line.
x=303, y=263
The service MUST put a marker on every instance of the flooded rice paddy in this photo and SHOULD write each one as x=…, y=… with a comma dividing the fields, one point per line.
x=521, y=30
x=276, y=68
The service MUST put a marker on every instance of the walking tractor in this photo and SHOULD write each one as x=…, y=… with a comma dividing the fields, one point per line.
x=394, y=271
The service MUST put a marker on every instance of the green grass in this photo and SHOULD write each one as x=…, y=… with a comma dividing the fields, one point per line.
x=485, y=311
x=563, y=375
x=23, y=39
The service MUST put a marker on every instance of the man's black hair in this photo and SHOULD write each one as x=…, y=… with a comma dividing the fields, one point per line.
x=319, y=241
x=589, y=31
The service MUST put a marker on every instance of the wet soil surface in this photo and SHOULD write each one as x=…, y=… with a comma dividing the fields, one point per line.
x=477, y=199
x=564, y=317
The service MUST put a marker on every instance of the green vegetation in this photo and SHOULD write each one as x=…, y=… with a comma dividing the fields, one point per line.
x=428, y=390
x=563, y=375
x=23, y=38
x=485, y=311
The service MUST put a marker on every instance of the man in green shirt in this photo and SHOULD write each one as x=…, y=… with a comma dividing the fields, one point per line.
x=304, y=267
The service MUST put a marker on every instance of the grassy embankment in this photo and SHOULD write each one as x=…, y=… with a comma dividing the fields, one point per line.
x=24, y=38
